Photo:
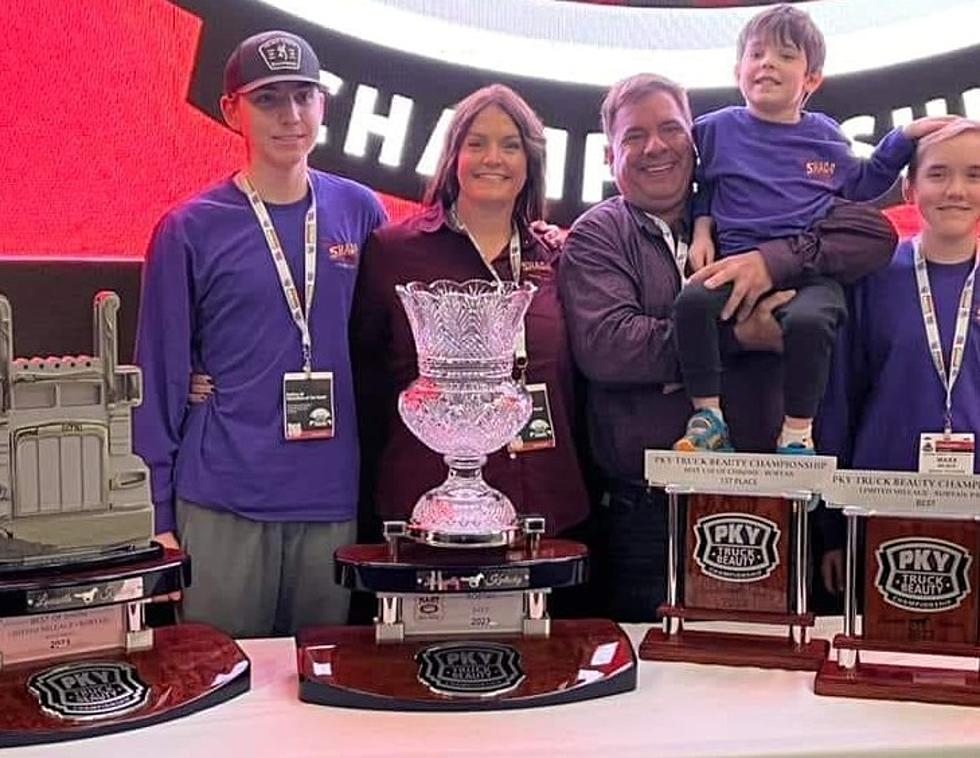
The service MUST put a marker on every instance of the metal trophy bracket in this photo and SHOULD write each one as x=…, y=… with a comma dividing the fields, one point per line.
x=920, y=577
x=463, y=585
x=740, y=555
x=77, y=566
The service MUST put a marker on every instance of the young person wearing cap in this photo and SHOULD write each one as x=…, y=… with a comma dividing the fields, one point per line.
x=250, y=282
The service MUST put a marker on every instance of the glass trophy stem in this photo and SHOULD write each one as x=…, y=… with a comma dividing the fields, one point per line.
x=465, y=470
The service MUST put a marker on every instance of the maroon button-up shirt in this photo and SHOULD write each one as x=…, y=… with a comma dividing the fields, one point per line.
x=398, y=468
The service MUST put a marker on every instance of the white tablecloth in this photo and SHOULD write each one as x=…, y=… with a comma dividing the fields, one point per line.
x=678, y=709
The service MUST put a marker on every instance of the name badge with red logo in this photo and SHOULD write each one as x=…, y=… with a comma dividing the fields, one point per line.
x=941, y=453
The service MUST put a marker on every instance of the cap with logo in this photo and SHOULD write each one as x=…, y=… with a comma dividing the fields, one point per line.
x=270, y=57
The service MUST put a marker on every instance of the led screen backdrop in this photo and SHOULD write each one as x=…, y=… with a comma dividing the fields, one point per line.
x=109, y=107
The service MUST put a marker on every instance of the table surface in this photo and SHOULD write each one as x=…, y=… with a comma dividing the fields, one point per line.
x=677, y=709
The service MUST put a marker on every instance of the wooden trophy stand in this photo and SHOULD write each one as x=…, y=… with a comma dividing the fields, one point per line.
x=463, y=629
x=920, y=579
x=740, y=556
x=78, y=661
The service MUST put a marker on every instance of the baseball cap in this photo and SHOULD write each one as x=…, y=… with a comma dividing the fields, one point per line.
x=270, y=57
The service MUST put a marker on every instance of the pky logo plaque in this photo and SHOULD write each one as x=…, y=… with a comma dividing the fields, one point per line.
x=923, y=574
x=470, y=669
x=736, y=547
x=89, y=691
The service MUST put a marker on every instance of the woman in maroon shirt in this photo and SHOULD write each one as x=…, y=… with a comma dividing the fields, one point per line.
x=488, y=185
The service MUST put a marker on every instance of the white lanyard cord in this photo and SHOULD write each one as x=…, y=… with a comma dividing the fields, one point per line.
x=932, y=327
x=301, y=318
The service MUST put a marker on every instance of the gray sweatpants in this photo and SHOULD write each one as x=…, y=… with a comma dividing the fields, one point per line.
x=261, y=578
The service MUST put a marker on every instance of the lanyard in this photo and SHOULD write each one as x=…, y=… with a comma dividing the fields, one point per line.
x=520, y=341
x=301, y=319
x=932, y=327
x=677, y=247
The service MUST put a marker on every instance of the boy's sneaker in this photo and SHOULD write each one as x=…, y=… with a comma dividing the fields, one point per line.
x=705, y=433
x=796, y=448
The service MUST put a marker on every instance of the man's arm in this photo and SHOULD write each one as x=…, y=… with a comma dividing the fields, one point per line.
x=613, y=340
x=163, y=352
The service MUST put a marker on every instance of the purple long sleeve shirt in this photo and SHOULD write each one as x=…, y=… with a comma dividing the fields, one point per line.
x=761, y=181
x=212, y=302
x=618, y=281
x=884, y=390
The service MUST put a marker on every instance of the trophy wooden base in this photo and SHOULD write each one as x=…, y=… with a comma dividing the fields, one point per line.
x=893, y=682
x=580, y=660
x=884, y=681
x=191, y=667
x=733, y=649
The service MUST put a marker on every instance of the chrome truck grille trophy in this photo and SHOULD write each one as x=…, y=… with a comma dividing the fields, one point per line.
x=76, y=562
x=462, y=586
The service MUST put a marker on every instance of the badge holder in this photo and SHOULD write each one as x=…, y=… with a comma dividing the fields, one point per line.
x=739, y=556
x=76, y=563
x=920, y=582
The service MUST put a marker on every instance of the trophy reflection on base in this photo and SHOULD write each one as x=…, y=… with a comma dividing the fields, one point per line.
x=739, y=556
x=462, y=587
x=77, y=566
x=920, y=580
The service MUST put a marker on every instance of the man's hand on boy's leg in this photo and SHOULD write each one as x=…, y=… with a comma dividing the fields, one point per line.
x=702, y=249
x=750, y=280
x=927, y=125
x=701, y=253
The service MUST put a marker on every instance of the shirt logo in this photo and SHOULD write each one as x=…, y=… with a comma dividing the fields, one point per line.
x=736, y=547
x=344, y=253
x=280, y=54
x=923, y=574
x=820, y=169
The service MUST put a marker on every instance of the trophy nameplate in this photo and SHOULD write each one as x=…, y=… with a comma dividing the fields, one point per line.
x=737, y=553
x=77, y=565
x=920, y=584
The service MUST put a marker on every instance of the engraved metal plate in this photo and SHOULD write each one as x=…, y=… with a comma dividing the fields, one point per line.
x=100, y=593
x=792, y=476
x=903, y=492
x=43, y=636
x=470, y=669
x=89, y=690
x=469, y=581
x=463, y=614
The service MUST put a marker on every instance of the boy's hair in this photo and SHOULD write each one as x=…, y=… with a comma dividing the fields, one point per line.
x=444, y=186
x=634, y=89
x=785, y=24
x=948, y=132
